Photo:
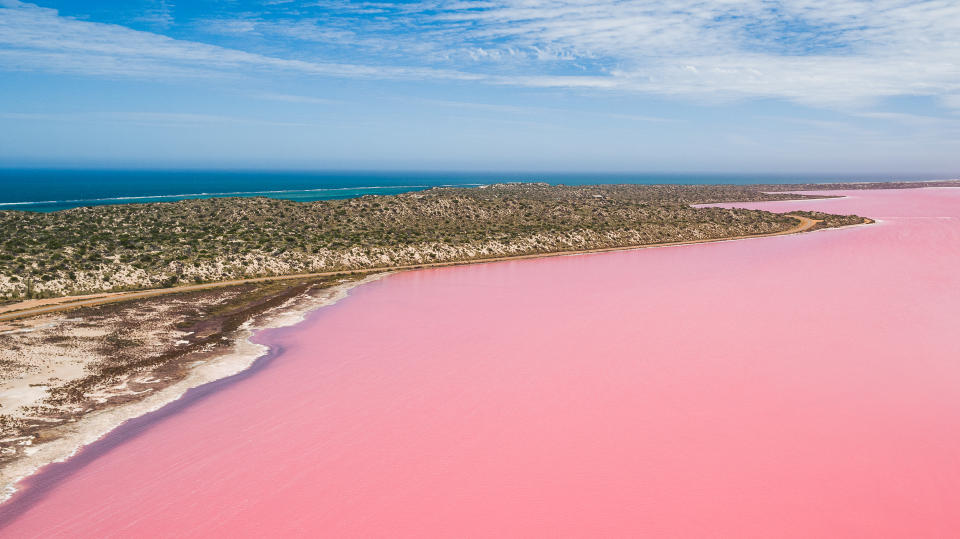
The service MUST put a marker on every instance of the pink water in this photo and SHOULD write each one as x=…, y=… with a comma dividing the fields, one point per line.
x=793, y=386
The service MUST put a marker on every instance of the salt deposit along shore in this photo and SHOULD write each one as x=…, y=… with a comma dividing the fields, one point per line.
x=788, y=386
x=215, y=366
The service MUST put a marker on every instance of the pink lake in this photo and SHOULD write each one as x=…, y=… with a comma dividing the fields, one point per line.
x=796, y=386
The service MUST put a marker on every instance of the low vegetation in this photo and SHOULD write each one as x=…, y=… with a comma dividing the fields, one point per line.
x=133, y=246
x=849, y=186
x=829, y=220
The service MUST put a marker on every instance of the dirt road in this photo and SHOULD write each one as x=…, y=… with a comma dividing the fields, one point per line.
x=34, y=307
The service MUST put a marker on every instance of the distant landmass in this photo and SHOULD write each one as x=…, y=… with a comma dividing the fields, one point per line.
x=54, y=190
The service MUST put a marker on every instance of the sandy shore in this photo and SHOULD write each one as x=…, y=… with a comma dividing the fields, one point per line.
x=239, y=356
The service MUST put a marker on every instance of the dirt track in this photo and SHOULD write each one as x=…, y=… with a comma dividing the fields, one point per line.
x=35, y=307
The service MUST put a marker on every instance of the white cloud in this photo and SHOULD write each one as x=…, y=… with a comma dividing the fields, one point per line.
x=646, y=119
x=38, y=38
x=146, y=118
x=297, y=99
x=159, y=15
x=486, y=107
x=905, y=118
x=951, y=101
x=814, y=51
x=820, y=52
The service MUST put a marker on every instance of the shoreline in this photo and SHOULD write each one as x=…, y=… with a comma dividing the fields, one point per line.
x=64, y=303
x=366, y=451
x=241, y=355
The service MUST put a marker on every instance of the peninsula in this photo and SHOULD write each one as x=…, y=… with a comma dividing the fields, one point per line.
x=107, y=307
x=140, y=246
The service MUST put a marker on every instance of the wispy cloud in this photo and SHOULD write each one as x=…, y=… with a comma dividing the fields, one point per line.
x=951, y=101
x=648, y=119
x=33, y=38
x=147, y=118
x=821, y=52
x=825, y=126
x=484, y=107
x=905, y=118
x=515, y=110
x=159, y=15
x=288, y=98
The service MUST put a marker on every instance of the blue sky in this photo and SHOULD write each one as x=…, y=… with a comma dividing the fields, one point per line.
x=843, y=86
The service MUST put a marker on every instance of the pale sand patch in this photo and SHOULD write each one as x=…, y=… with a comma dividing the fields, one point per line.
x=240, y=357
x=31, y=388
x=33, y=366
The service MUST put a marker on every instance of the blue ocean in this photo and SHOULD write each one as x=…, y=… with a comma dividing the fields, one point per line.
x=53, y=190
